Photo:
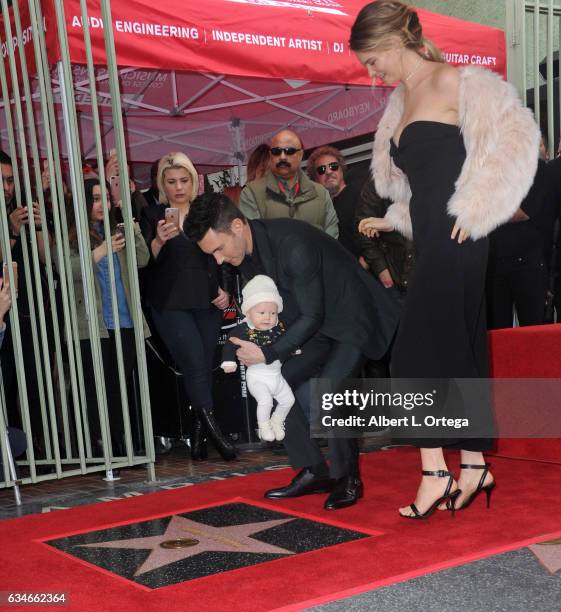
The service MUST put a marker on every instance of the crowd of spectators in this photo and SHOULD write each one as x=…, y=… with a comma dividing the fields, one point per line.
x=184, y=291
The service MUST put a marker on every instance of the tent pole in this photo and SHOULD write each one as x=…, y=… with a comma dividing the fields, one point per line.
x=238, y=148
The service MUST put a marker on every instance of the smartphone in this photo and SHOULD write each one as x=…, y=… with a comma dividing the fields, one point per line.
x=172, y=216
x=115, y=184
x=6, y=278
x=120, y=229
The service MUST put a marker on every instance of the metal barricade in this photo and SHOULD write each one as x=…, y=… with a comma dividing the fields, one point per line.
x=534, y=39
x=39, y=128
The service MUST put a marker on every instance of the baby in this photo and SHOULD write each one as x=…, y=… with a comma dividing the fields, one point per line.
x=261, y=306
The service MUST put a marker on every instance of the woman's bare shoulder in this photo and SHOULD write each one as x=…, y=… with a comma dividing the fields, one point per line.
x=446, y=78
x=445, y=84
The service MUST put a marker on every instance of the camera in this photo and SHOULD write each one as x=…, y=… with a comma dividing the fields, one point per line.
x=120, y=229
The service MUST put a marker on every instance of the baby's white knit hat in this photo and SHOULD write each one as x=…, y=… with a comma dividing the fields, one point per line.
x=259, y=289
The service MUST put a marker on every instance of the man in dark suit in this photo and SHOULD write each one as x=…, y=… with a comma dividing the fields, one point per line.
x=335, y=313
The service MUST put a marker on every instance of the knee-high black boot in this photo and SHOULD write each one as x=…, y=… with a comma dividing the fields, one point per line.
x=222, y=444
x=198, y=440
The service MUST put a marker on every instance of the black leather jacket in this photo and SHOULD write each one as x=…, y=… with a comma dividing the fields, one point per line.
x=390, y=250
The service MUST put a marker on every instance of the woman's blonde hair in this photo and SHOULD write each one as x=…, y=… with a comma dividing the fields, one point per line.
x=176, y=161
x=378, y=21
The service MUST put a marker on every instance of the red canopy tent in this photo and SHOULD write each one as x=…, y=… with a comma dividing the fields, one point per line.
x=217, y=77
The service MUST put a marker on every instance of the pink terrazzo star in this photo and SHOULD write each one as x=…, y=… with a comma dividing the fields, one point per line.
x=548, y=554
x=216, y=539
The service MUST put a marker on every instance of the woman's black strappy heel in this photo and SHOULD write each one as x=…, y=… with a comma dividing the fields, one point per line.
x=449, y=497
x=488, y=488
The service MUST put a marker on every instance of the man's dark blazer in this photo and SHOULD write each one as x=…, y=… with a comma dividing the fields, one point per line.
x=324, y=289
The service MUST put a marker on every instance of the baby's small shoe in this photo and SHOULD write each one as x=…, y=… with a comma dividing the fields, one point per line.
x=266, y=431
x=277, y=425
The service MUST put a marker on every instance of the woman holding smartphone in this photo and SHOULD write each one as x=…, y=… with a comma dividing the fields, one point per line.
x=182, y=289
x=100, y=251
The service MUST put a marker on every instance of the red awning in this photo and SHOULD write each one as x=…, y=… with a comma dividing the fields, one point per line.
x=294, y=39
x=217, y=77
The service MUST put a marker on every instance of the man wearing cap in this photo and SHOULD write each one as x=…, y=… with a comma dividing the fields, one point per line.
x=334, y=311
x=286, y=192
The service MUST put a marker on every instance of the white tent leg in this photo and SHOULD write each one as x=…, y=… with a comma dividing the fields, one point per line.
x=12, y=467
x=238, y=148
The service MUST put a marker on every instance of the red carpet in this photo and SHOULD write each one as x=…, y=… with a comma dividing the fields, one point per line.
x=527, y=352
x=524, y=510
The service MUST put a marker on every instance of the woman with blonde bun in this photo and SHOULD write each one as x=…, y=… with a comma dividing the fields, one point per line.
x=456, y=153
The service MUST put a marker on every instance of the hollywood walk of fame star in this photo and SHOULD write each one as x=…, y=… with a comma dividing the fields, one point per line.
x=548, y=554
x=203, y=538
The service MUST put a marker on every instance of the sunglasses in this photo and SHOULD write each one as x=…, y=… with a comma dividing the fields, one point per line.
x=288, y=151
x=333, y=166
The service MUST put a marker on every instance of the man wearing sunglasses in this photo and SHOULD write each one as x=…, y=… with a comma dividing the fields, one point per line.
x=326, y=166
x=286, y=192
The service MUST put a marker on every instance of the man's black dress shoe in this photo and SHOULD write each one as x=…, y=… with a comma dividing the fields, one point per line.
x=346, y=492
x=304, y=483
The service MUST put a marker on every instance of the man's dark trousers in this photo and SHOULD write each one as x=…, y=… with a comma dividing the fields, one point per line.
x=321, y=358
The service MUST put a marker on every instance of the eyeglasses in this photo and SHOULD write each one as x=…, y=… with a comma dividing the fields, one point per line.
x=333, y=166
x=288, y=151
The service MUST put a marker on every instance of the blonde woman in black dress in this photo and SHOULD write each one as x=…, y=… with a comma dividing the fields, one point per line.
x=456, y=153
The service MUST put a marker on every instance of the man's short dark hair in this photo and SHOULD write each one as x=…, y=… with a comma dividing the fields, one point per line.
x=210, y=211
x=5, y=158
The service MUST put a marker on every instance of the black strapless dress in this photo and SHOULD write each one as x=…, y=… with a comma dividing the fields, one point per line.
x=442, y=333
